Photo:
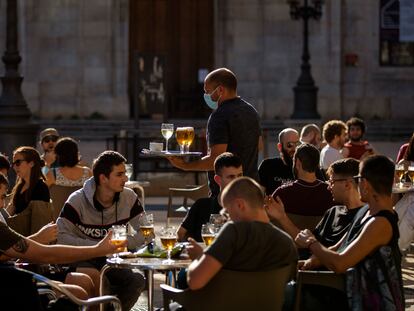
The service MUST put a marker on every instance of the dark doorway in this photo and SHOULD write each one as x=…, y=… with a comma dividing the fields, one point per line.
x=182, y=32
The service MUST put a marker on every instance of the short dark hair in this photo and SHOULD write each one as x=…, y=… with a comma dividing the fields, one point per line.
x=354, y=121
x=309, y=157
x=67, y=152
x=348, y=167
x=245, y=188
x=333, y=128
x=379, y=171
x=104, y=162
x=226, y=159
x=4, y=162
x=224, y=77
x=4, y=180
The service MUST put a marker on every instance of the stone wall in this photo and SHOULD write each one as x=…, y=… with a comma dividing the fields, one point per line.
x=75, y=56
x=259, y=41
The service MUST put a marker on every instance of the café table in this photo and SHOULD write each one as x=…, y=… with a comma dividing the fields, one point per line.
x=401, y=188
x=149, y=265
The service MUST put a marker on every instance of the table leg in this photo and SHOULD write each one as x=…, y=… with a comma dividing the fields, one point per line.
x=150, y=289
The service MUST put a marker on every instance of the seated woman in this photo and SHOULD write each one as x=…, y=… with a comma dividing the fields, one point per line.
x=30, y=185
x=370, y=246
x=69, y=172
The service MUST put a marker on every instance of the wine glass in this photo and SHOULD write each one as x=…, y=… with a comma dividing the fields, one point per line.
x=217, y=220
x=168, y=239
x=119, y=235
x=208, y=233
x=146, y=226
x=167, y=129
x=190, y=137
x=129, y=170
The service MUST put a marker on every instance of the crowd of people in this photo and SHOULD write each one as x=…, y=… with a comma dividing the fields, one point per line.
x=333, y=175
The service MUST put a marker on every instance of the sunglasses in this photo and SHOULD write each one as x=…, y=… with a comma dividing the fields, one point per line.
x=291, y=144
x=48, y=139
x=18, y=162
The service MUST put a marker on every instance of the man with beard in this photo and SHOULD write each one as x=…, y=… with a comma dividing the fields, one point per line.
x=334, y=132
x=356, y=147
x=48, y=139
x=273, y=172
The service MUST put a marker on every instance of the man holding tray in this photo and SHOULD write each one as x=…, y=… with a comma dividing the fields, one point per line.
x=233, y=126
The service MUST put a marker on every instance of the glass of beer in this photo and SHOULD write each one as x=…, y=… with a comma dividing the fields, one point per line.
x=181, y=136
x=167, y=129
x=190, y=138
x=399, y=171
x=146, y=226
x=119, y=235
x=168, y=239
x=208, y=233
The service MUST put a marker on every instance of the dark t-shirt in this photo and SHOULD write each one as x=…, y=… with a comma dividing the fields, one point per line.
x=198, y=215
x=237, y=124
x=303, y=198
x=40, y=193
x=334, y=224
x=8, y=237
x=252, y=246
x=273, y=172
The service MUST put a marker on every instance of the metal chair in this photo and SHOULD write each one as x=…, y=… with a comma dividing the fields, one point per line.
x=83, y=304
x=234, y=290
x=59, y=195
x=194, y=193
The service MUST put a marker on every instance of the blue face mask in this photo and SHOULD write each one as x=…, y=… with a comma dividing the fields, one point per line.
x=211, y=103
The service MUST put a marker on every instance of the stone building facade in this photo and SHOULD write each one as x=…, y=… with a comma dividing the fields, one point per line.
x=76, y=57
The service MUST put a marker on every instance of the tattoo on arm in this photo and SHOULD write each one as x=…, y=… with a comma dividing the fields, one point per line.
x=21, y=246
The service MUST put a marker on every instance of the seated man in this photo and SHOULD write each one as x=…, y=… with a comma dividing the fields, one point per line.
x=307, y=195
x=336, y=220
x=370, y=247
x=91, y=211
x=356, y=147
x=227, y=167
x=249, y=242
x=16, y=246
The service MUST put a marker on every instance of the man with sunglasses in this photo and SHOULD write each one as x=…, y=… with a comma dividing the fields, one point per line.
x=273, y=172
x=48, y=139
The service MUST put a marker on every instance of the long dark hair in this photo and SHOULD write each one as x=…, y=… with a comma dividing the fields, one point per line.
x=409, y=153
x=30, y=155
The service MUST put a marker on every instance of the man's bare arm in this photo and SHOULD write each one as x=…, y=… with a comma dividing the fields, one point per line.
x=202, y=270
x=204, y=164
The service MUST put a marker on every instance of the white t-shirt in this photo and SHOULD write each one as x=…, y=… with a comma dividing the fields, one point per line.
x=328, y=156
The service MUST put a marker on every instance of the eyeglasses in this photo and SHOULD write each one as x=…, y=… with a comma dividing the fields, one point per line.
x=18, y=162
x=291, y=144
x=358, y=178
x=48, y=139
x=332, y=181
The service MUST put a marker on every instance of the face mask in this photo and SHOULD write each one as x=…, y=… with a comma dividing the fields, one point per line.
x=211, y=103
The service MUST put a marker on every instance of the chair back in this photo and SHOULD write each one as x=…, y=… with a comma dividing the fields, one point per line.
x=322, y=278
x=59, y=195
x=35, y=216
x=193, y=193
x=236, y=290
x=304, y=222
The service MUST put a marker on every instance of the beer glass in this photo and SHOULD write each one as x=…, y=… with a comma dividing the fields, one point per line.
x=146, y=226
x=208, y=233
x=190, y=137
x=181, y=137
x=167, y=129
x=217, y=220
x=119, y=235
x=399, y=171
x=168, y=239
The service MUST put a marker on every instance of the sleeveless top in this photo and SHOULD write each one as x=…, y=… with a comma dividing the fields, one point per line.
x=63, y=181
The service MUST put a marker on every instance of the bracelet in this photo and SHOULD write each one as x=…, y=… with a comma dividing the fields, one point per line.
x=312, y=240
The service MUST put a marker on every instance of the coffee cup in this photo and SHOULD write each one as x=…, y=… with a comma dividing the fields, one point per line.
x=156, y=146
